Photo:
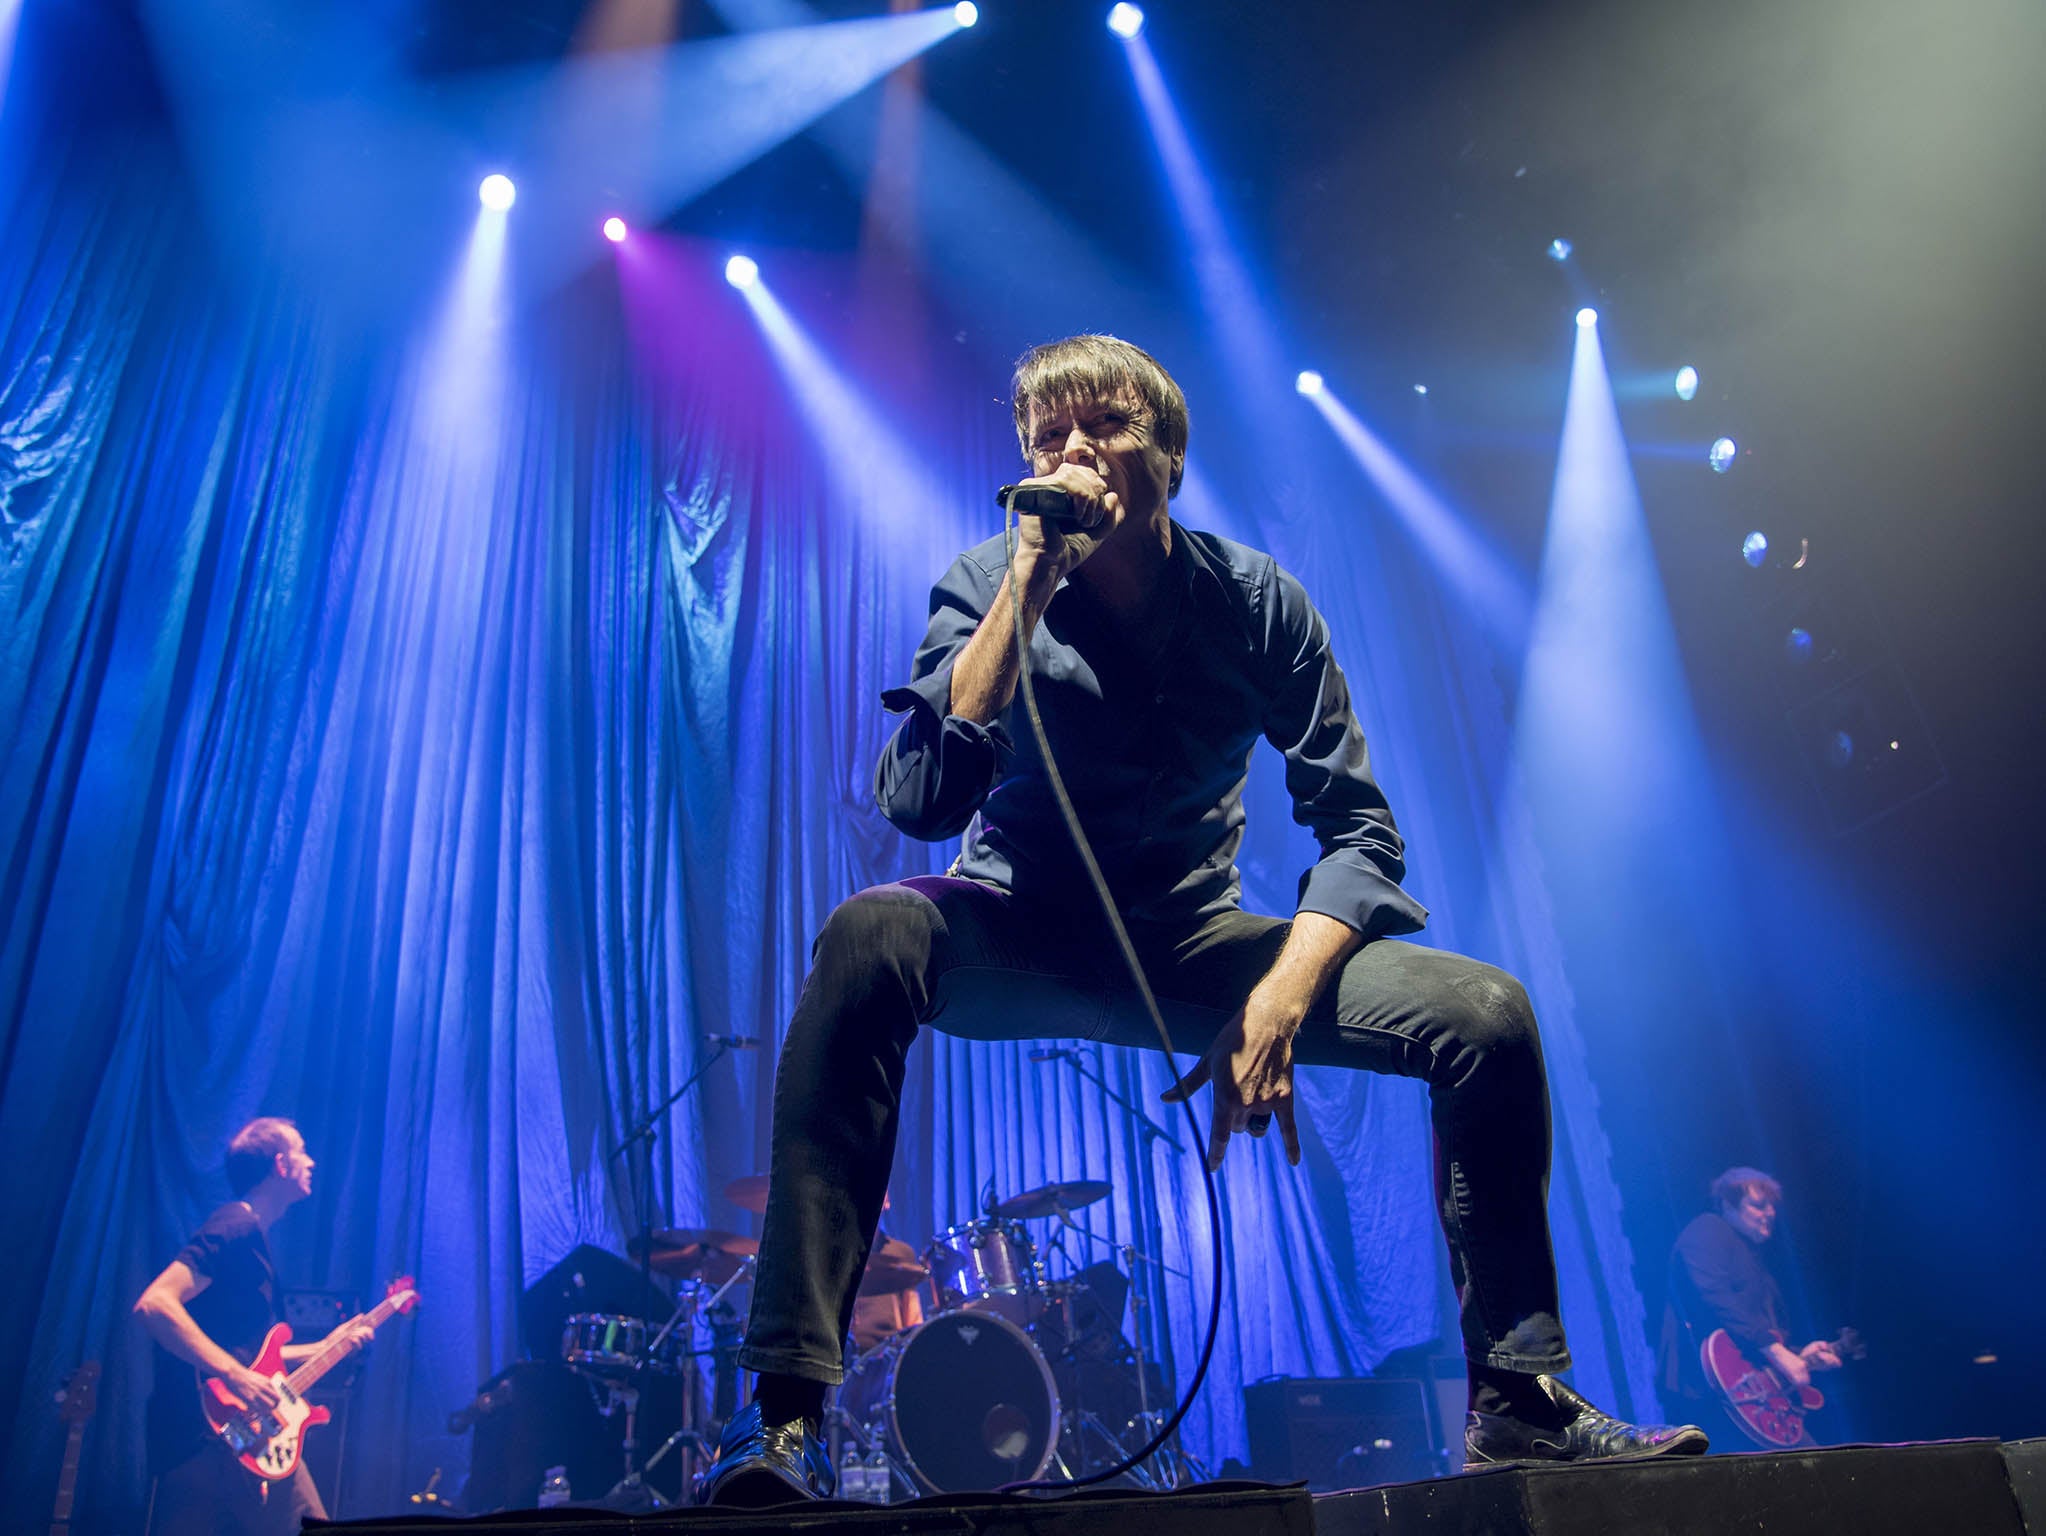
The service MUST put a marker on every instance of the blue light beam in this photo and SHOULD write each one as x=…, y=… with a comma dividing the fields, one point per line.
x=1481, y=577
x=875, y=474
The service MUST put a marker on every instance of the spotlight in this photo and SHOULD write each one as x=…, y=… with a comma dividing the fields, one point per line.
x=1587, y=317
x=742, y=271
x=1755, y=548
x=1309, y=382
x=966, y=13
x=1797, y=645
x=497, y=192
x=614, y=229
x=1559, y=249
x=1687, y=383
x=1420, y=389
x=1125, y=20
x=1721, y=455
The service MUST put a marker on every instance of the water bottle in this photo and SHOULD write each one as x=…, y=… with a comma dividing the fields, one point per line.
x=878, y=1480
x=554, y=1488
x=852, y=1473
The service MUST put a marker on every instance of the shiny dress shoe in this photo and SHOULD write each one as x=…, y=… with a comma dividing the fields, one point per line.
x=760, y=1465
x=1586, y=1435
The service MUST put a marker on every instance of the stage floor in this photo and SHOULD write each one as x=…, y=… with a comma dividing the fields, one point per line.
x=1949, y=1488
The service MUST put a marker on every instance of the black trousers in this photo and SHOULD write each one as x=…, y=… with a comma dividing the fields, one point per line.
x=209, y=1493
x=974, y=961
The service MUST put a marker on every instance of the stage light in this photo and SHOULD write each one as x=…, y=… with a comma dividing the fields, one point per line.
x=1797, y=645
x=614, y=229
x=1755, y=548
x=742, y=271
x=1722, y=454
x=1587, y=316
x=1125, y=20
x=1308, y=383
x=1420, y=389
x=966, y=13
x=1559, y=249
x=497, y=192
x=1687, y=383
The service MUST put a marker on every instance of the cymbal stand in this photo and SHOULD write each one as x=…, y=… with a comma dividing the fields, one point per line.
x=644, y=1134
x=631, y=1489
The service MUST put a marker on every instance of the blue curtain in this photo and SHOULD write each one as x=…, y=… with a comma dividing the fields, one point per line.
x=439, y=767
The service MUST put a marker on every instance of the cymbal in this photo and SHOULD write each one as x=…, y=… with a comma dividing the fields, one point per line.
x=892, y=1267
x=749, y=1193
x=697, y=1251
x=1050, y=1199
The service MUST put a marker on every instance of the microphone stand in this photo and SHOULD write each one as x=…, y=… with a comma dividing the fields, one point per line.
x=1146, y=1127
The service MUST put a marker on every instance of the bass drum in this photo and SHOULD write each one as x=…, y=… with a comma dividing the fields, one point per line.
x=964, y=1402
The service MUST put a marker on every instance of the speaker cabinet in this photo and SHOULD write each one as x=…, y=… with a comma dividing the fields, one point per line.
x=1344, y=1432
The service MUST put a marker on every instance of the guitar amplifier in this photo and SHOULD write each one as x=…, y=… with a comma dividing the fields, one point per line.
x=312, y=1316
x=1343, y=1432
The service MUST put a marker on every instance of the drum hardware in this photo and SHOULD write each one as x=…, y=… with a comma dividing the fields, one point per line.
x=643, y=1135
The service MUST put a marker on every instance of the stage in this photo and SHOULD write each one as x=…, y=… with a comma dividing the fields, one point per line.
x=1981, y=1487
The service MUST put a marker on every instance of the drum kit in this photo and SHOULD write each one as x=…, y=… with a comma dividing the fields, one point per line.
x=1018, y=1374
x=986, y=1357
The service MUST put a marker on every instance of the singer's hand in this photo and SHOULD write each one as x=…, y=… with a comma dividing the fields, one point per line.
x=1250, y=1064
x=1062, y=549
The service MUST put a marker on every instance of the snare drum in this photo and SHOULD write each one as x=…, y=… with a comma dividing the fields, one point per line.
x=604, y=1343
x=988, y=1265
x=964, y=1402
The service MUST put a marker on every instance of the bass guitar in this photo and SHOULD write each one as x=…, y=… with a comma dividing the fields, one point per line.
x=269, y=1441
x=1766, y=1407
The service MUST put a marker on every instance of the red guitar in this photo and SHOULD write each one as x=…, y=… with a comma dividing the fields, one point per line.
x=1757, y=1398
x=268, y=1442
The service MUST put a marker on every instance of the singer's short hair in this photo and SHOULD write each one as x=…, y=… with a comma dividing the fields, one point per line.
x=1732, y=1186
x=1081, y=368
x=253, y=1154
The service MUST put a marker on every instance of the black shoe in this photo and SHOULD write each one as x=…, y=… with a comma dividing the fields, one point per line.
x=1586, y=1435
x=761, y=1465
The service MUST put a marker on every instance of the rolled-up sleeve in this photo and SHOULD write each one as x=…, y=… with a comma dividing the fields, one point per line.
x=938, y=767
x=1328, y=773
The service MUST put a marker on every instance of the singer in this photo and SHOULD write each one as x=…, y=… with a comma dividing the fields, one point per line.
x=1159, y=657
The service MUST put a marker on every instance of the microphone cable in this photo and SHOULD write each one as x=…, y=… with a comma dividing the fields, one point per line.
x=1136, y=970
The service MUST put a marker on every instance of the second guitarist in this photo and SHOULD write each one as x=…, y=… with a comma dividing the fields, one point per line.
x=1717, y=1280
x=210, y=1308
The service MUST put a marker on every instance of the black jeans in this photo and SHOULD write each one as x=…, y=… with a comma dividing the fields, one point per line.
x=973, y=961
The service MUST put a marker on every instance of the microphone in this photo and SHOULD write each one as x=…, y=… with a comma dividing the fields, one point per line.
x=1046, y=501
x=735, y=1042
x=1054, y=1053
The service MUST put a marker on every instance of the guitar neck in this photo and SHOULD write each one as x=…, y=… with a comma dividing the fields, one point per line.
x=67, y=1482
x=331, y=1355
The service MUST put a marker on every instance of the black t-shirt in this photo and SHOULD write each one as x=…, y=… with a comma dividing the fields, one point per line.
x=236, y=1310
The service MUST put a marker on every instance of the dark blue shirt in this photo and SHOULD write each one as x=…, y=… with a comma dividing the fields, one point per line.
x=1154, y=754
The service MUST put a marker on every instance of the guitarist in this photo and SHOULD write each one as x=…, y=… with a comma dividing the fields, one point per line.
x=210, y=1308
x=1717, y=1280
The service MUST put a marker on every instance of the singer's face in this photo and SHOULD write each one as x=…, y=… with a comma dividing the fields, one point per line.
x=1111, y=435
